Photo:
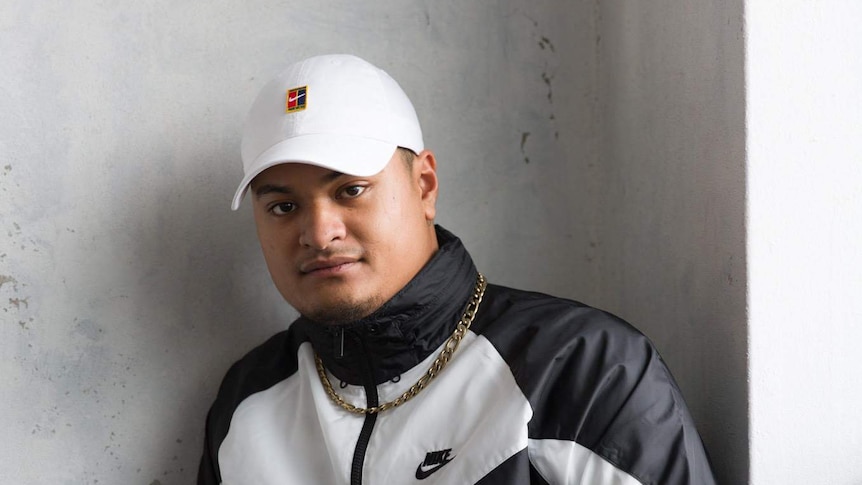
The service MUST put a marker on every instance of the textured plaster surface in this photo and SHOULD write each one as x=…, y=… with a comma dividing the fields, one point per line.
x=127, y=287
x=591, y=150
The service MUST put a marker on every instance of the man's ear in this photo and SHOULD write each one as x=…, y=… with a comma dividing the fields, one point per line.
x=425, y=173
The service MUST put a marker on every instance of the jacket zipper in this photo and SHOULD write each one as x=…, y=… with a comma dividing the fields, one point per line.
x=372, y=399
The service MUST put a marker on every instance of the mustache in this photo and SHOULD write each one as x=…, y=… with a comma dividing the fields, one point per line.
x=315, y=259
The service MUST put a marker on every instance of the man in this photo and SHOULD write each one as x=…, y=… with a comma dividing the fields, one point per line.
x=405, y=365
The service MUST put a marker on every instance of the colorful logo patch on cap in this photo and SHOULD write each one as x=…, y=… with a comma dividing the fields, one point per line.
x=296, y=99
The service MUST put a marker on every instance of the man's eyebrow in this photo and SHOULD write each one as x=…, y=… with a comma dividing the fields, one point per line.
x=270, y=188
x=332, y=175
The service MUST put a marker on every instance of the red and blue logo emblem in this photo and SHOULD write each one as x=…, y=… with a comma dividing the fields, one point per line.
x=296, y=99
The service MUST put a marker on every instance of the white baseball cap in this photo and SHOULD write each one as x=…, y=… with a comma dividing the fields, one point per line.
x=335, y=111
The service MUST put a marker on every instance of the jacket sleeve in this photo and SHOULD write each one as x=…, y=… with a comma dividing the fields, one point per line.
x=613, y=414
x=606, y=409
x=207, y=471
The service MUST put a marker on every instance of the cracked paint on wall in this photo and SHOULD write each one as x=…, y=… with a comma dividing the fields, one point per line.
x=7, y=279
x=17, y=302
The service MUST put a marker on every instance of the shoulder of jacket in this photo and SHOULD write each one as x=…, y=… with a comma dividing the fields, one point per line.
x=263, y=366
x=511, y=310
x=264, y=353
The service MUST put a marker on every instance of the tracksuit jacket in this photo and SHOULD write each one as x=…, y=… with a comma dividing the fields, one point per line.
x=541, y=390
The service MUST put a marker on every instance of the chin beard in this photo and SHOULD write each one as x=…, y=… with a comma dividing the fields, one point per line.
x=340, y=314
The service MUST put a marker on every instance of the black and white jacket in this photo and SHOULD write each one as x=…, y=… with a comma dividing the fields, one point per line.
x=542, y=390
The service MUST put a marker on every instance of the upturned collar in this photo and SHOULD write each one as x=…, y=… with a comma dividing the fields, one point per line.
x=407, y=328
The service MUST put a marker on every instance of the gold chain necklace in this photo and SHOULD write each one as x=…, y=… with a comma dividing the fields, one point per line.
x=439, y=363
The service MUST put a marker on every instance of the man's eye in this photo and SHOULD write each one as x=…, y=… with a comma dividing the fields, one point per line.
x=353, y=191
x=283, y=208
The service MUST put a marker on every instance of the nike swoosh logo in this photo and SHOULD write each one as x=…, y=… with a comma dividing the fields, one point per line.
x=295, y=98
x=423, y=473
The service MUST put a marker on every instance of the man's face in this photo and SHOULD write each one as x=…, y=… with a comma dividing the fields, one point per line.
x=339, y=246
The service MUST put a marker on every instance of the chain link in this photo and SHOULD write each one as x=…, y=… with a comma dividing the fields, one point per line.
x=440, y=362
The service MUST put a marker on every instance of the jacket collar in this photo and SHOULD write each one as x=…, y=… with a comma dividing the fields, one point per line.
x=407, y=328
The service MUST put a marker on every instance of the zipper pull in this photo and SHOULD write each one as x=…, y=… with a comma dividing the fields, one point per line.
x=339, y=344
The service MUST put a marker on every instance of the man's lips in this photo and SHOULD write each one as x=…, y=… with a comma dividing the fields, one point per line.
x=329, y=265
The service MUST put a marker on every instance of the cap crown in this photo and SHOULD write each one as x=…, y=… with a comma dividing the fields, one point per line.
x=335, y=111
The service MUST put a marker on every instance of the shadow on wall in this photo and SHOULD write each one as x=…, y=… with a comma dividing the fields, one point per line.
x=672, y=85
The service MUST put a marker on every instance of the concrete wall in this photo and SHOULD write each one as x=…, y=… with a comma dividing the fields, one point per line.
x=127, y=286
x=804, y=121
x=670, y=235
x=594, y=150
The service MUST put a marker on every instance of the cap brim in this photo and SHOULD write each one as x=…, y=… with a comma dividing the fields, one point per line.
x=346, y=154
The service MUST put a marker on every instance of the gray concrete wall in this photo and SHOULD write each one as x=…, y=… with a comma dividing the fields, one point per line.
x=127, y=286
x=592, y=150
x=670, y=231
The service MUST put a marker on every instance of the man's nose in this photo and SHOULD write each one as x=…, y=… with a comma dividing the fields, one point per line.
x=321, y=226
